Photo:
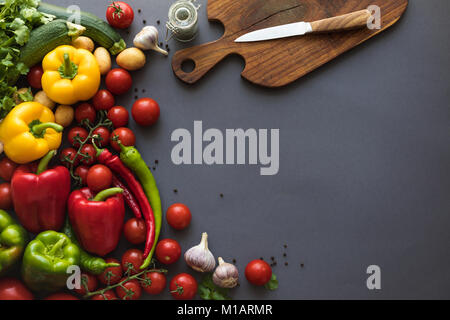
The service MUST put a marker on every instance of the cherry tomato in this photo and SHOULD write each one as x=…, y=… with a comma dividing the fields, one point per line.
x=87, y=280
x=70, y=154
x=108, y=295
x=133, y=288
x=99, y=178
x=88, y=149
x=34, y=77
x=104, y=135
x=135, y=231
x=118, y=116
x=103, y=100
x=168, y=251
x=118, y=81
x=258, y=272
x=183, y=287
x=82, y=171
x=85, y=111
x=7, y=168
x=80, y=133
x=132, y=260
x=154, y=283
x=126, y=137
x=111, y=275
x=5, y=196
x=61, y=296
x=13, y=289
x=145, y=112
x=178, y=216
x=120, y=15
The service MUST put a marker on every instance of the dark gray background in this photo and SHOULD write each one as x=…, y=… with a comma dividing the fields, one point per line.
x=364, y=161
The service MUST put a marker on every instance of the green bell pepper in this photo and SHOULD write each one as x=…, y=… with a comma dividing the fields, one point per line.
x=13, y=239
x=46, y=260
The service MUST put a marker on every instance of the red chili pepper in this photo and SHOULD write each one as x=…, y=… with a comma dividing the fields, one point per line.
x=129, y=197
x=116, y=165
x=97, y=221
x=40, y=199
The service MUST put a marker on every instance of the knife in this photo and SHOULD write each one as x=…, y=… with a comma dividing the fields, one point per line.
x=354, y=20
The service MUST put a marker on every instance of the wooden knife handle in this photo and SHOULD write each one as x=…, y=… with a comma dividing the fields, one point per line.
x=357, y=19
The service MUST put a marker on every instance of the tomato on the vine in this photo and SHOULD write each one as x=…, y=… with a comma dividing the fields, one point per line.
x=69, y=153
x=119, y=15
x=154, y=282
x=85, y=111
x=80, y=133
x=111, y=275
x=5, y=196
x=258, y=272
x=126, y=137
x=99, y=178
x=82, y=171
x=183, y=287
x=13, y=289
x=103, y=100
x=107, y=295
x=118, y=81
x=34, y=77
x=104, y=135
x=135, y=231
x=145, y=112
x=118, y=116
x=168, y=251
x=90, y=154
x=88, y=281
x=7, y=168
x=130, y=290
x=178, y=216
x=132, y=260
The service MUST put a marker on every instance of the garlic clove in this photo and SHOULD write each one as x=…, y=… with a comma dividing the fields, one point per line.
x=199, y=257
x=147, y=39
x=226, y=275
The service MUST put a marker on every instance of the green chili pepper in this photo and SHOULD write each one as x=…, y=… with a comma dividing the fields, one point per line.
x=131, y=157
x=88, y=263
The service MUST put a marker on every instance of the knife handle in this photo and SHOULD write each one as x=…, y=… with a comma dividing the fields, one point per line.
x=354, y=20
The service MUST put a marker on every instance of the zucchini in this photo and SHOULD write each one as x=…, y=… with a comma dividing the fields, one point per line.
x=96, y=29
x=46, y=38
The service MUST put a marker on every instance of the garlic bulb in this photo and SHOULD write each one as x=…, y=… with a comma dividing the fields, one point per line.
x=147, y=39
x=199, y=257
x=226, y=275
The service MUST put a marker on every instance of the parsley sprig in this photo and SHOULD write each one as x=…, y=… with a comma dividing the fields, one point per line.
x=17, y=19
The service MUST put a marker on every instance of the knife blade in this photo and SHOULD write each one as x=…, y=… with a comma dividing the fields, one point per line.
x=283, y=31
x=353, y=20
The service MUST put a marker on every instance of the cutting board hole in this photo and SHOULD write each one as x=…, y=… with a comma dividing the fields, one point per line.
x=188, y=66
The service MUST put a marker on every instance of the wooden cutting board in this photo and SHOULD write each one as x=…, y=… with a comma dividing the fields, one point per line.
x=279, y=62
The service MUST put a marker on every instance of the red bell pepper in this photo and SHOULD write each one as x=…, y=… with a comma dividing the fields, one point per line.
x=97, y=221
x=40, y=199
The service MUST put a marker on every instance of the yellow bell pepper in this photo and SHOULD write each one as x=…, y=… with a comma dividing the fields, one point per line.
x=28, y=132
x=70, y=75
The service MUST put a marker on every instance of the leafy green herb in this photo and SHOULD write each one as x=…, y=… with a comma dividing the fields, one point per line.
x=272, y=284
x=25, y=96
x=209, y=291
x=17, y=19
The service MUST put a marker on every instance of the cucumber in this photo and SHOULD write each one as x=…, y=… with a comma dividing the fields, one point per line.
x=96, y=29
x=46, y=38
